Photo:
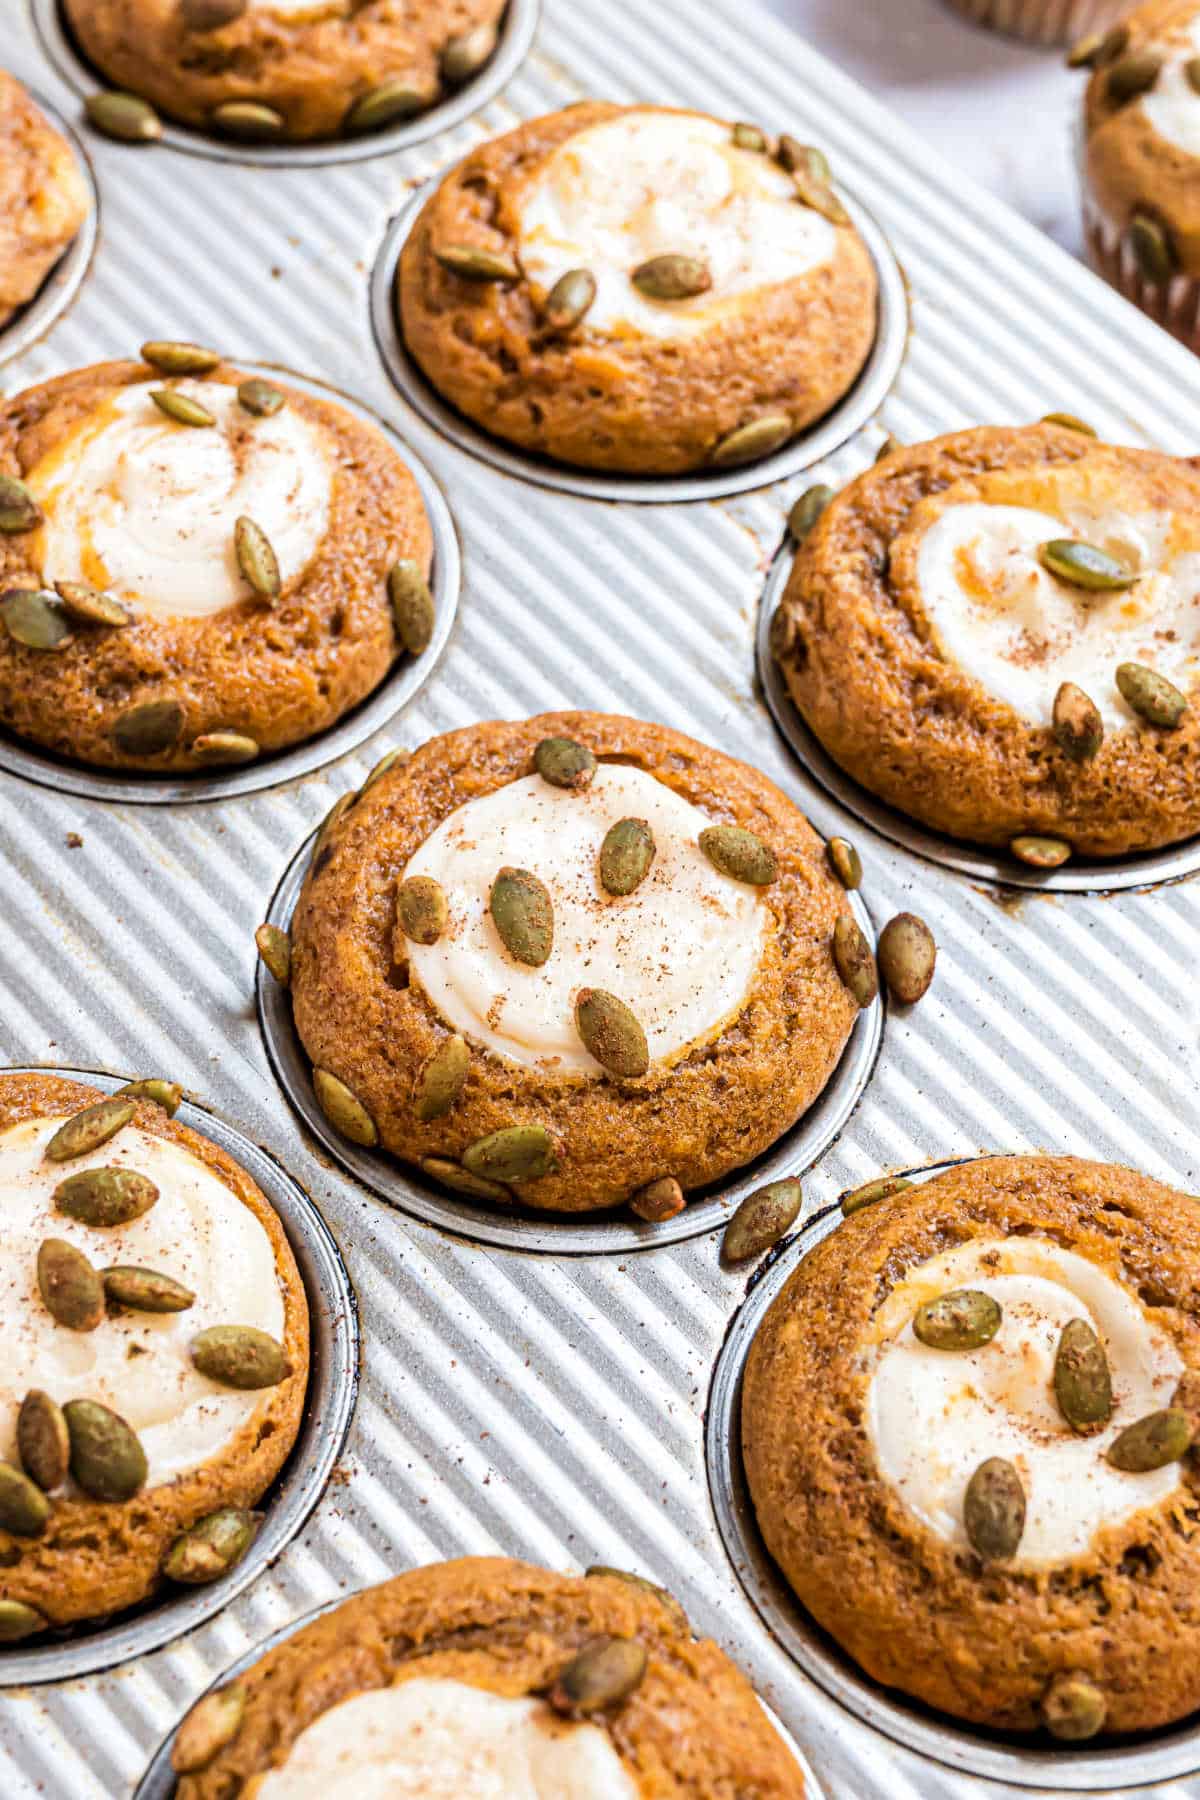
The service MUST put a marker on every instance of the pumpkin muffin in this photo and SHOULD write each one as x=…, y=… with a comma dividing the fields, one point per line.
x=156, y=1352
x=638, y=289
x=1141, y=162
x=495, y=1679
x=1043, y=21
x=996, y=633
x=43, y=197
x=286, y=70
x=570, y=960
x=966, y=1423
x=194, y=569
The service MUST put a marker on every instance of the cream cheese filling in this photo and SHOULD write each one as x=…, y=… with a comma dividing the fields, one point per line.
x=1172, y=105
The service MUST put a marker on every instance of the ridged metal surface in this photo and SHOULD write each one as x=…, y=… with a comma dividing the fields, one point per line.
x=553, y=1407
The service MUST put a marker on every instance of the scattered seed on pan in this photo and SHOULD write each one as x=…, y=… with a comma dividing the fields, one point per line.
x=762, y=1219
x=275, y=949
x=658, y=1200
x=853, y=960
x=907, y=957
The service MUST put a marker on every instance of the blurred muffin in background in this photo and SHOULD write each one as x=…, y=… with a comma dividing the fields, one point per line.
x=1043, y=21
x=43, y=197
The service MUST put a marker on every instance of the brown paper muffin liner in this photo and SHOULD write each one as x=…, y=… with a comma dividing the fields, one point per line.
x=1175, y=305
x=1044, y=21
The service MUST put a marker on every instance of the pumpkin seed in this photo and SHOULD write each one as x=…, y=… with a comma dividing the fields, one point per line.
x=345, y=1112
x=223, y=748
x=239, y=1356
x=256, y=559
x=761, y=437
x=412, y=605
x=819, y=197
x=88, y=606
x=248, y=120
x=464, y=55
x=626, y=855
x=149, y=729
x=661, y=1594
x=1084, y=566
x=1082, y=1380
x=87, y=1130
x=35, y=619
x=1073, y=1707
x=443, y=1078
x=181, y=407
x=421, y=909
x=259, y=398
x=393, y=759
x=212, y=1724
x=523, y=914
x=454, y=1176
x=657, y=1201
x=19, y=1621
x=569, y=300
x=42, y=1442
x=126, y=117
x=275, y=949
x=1083, y=53
x=1040, y=852
x=105, y=1197
x=1078, y=727
x=337, y=811
x=853, y=960
x=672, y=277
x=212, y=1547
x=518, y=1153
x=1153, y=250
x=385, y=105
x=24, y=1509
x=612, y=1033
x=806, y=159
x=606, y=1672
x=210, y=15
x=882, y=1188
x=889, y=447
x=1114, y=43
x=964, y=1319
x=907, y=957
x=808, y=509
x=107, y=1460
x=71, y=1290
x=564, y=763
x=845, y=862
x=1133, y=75
x=172, y=358
x=739, y=854
x=471, y=262
x=1068, y=422
x=1151, y=695
x=166, y=1094
x=761, y=1220
x=1151, y=1443
x=749, y=137
x=994, y=1510
x=1191, y=70
x=145, y=1290
x=19, y=511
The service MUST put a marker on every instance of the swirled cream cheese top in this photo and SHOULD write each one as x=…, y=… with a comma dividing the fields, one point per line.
x=1172, y=105
x=682, y=950
x=440, y=1739
x=136, y=1363
x=651, y=183
x=934, y=1415
x=145, y=508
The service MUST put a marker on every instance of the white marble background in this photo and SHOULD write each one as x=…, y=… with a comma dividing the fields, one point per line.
x=1001, y=111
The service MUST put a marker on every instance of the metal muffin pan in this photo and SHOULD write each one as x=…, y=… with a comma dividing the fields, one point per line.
x=518, y=29
x=1026, y=1762
x=524, y=1228
x=818, y=440
x=86, y=1649
x=33, y=320
x=407, y=676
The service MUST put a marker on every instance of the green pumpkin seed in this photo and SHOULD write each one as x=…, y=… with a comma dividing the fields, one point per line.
x=19, y=511
x=172, y=358
x=1083, y=54
x=1192, y=70
x=345, y=1112
x=471, y=262
x=393, y=759
x=42, y=1442
x=464, y=55
x=1077, y=725
x=275, y=949
x=805, y=159
x=239, y=1356
x=35, y=619
x=658, y=1200
x=209, y=1728
x=569, y=301
x=107, y=1460
x=259, y=398
x=882, y=1188
x=19, y=1621
x=612, y=1033
x=564, y=763
x=442, y=1079
x=85, y=1131
x=853, y=960
x=1068, y=422
x=1151, y=695
x=845, y=862
x=145, y=1290
x=385, y=105
x=1040, y=852
x=762, y=1219
x=224, y=748
x=889, y=447
x=749, y=443
x=518, y=1153
x=212, y=1547
x=1133, y=75
x=808, y=509
x=1084, y=566
x=523, y=914
x=126, y=117
x=24, y=1509
x=71, y=1290
x=739, y=854
x=907, y=957
x=181, y=407
x=1073, y=1707
x=626, y=856
x=672, y=277
x=1114, y=43
x=819, y=197
x=149, y=729
x=412, y=605
x=606, y=1672
x=88, y=606
x=749, y=137
x=256, y=559
x=965, y=1319
x=1153, y=250
x=105, y=1197
x=421, y=909
x=461, y=1181
x=247, y=120
x=166, y=1094
x=210, y=15
x=994, y=1510
x=1151, y=1443
x=605, y=1572
x=1082, y=1379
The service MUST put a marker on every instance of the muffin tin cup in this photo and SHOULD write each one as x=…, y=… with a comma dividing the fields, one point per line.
x=518, y=30
x=816, y=441
x=1025, y=1762
x=33, y=320
x=522, y=1228
x=1049, y=22
x=1081, y=875
x=88, y=1648
x=404, y=681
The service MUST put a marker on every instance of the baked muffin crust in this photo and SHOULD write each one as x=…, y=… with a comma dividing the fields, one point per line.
x=43, y=197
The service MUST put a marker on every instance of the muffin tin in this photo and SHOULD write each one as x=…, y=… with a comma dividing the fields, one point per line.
x=552, y=1407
